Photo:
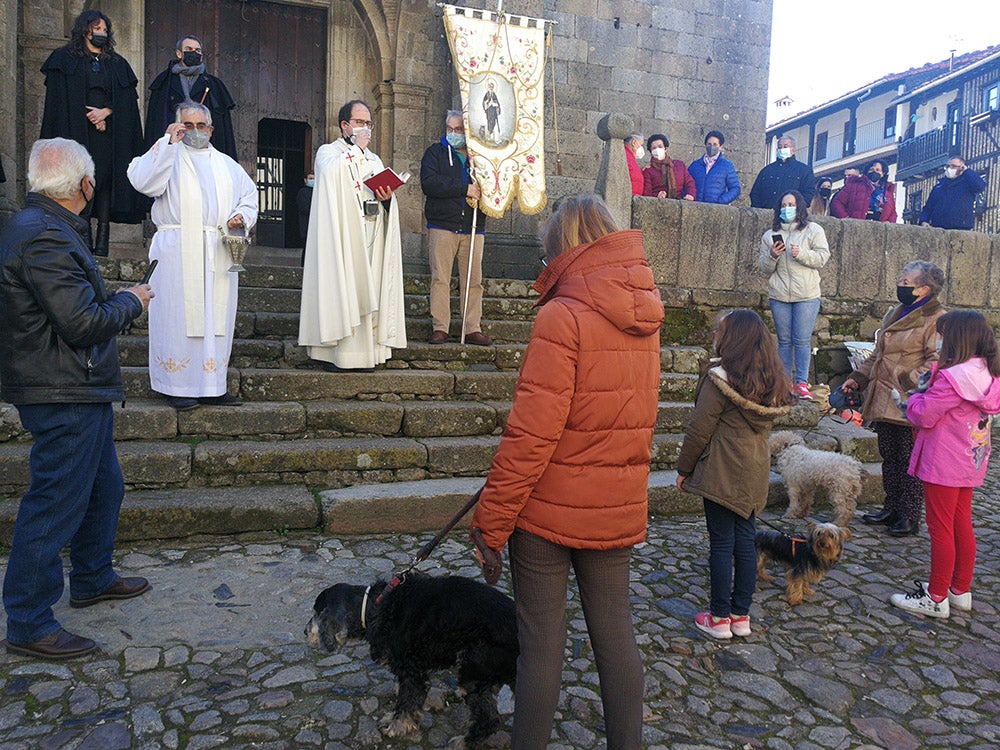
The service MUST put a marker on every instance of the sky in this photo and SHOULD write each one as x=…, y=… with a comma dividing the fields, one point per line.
x=821, y=49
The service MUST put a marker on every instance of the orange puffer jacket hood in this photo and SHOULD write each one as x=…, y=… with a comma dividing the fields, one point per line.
x=573, y=464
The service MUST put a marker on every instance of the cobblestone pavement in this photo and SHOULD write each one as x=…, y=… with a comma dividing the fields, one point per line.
x=214, y=655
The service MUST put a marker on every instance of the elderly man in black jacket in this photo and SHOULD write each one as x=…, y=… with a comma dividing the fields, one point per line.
x=447, y=184
x=781, y=176
x=59, y=367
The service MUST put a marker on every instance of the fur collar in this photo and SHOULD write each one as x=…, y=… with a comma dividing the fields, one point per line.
x=721, y=380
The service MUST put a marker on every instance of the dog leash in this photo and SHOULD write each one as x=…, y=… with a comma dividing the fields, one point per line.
x=426, y=550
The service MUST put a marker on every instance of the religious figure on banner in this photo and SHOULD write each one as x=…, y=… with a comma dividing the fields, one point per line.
x=500, y=60
x=491, y=105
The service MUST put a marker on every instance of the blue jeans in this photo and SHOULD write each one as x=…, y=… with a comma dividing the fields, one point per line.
x=794, y=323
x=732, y=560
x=75, y=494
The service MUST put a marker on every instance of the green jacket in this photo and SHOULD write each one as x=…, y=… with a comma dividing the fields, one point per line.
x=725, y=455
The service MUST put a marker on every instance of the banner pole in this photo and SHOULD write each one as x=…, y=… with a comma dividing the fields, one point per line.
x=468, y=271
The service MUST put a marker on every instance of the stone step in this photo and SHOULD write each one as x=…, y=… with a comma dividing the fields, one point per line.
x=401, y=507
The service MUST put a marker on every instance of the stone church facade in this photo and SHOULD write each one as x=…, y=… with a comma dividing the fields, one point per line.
x=682, y=67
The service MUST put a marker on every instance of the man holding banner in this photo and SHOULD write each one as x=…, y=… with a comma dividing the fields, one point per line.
x=448, y=186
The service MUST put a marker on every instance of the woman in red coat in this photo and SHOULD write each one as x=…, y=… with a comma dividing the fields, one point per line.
x=666, y=177
x=868, y=196
x=568, y=485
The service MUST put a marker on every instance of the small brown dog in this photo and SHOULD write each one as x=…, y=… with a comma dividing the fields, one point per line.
x=806, y=561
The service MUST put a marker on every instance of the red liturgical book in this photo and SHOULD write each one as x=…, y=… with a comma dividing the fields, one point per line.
x=387, y=178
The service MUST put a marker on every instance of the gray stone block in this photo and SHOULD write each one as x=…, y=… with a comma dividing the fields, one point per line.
x=354, y=418
x=460, y=456
x=247, y=458
x=439, y=419
x=250, y=419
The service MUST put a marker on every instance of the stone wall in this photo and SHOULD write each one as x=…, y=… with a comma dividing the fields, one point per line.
x=704, y=259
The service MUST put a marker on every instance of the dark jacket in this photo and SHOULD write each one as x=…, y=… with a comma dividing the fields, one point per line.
x=725, y=455
x=950, y=204
x=719, y=185
x=573, y=463
x=777, y=178
x=165, y=93
x=59, y=323
x=65, y=116
x=653, y=181
x=444, y=178
x=854, y=199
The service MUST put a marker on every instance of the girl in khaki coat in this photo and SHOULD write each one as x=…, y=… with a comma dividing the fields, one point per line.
x=725, y=459
x=904, y=350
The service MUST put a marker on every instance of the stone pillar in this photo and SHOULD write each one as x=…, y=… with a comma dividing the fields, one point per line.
x=613, y=181
x=10, y=112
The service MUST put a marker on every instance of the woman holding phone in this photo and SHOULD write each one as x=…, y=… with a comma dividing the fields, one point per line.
x=791, y=253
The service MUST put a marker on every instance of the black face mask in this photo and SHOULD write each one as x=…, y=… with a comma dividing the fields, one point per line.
x=191, y=59
x=906, y=295
x=825, y=192
x=874, y=176
x=99, y=40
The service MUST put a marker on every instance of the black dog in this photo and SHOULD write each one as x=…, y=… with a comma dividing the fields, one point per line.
x=426, y=624
x=806, y=560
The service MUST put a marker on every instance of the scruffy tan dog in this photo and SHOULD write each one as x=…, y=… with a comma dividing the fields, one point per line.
x=806, y=470
x=806, y=560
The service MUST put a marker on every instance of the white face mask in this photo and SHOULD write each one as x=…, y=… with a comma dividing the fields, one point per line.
x=640, y=152
x=659, y=153
x=784, y=153
x=951, y=173
x=197, y=138
x=361, y=131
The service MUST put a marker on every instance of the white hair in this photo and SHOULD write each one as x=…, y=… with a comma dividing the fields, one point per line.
x=453, y=113
x=190, y=106
x=56, y=167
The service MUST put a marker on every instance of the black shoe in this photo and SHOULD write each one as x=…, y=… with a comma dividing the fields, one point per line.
x=224, y=400
x=123, y=588
x=60, y=645
x=182, y=403
x=330, y=367
x=886, y=516
x=904, y=527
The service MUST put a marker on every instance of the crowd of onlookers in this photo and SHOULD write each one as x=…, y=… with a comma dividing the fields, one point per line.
x=712, y=178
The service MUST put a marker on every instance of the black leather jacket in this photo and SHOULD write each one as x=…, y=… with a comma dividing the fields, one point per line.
x=58, y=321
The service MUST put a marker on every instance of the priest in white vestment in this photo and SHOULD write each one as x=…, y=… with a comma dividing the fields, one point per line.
x=200, y=194
x=352, y=280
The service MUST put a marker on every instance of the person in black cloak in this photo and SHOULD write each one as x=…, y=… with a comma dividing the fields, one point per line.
x=185, y=79
x=91, y=97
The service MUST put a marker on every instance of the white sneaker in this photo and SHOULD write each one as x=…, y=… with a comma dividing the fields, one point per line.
x=919, y=602
x=960, y=601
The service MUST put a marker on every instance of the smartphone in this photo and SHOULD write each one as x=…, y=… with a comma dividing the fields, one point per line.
x=149, y=271
x=776, y=238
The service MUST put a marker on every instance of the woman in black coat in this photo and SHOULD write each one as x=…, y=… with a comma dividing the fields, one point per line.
x=91, y=98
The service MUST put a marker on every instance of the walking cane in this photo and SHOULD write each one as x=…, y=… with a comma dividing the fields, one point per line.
x=468, y=271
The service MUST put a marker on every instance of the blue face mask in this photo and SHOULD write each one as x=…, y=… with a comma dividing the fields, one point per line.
x=788, y=214
x=310, y=183
x=455, y=140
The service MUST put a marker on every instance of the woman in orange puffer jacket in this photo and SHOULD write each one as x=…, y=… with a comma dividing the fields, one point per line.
x=568, y=485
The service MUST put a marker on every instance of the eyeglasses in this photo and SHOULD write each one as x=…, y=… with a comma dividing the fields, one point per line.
x=203, y=126
x=95, y=66
x=361, y=123
x=544, y=261
x=459, y=129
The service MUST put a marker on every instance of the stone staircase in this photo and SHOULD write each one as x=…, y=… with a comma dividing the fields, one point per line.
x=397, y=450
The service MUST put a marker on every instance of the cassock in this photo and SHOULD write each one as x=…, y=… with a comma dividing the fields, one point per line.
x=352, y=279
x=196, y=190
x=166, y=92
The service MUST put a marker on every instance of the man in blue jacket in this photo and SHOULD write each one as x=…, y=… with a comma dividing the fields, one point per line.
x=780, y=176
x=448, y=187
x=59, y=367
x=950, y=204
x=714, y=175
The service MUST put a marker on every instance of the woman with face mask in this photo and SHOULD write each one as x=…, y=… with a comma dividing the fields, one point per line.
x=867, y=196
x=90, y=97
x=791, y=252
x=714, y=175
x=821, y=201
x=665, y=177
x=905, y=349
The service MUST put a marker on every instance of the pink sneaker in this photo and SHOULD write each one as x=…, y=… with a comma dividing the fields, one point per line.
x=803, y=392
x=740, y=625
x=717, y=627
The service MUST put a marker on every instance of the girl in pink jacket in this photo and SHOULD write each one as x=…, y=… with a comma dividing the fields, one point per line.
x=953, y=418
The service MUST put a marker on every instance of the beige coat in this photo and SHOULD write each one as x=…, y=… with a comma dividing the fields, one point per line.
x=904, y=348
x=794, y=279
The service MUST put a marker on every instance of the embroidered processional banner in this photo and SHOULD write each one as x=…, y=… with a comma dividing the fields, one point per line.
x=500, y=60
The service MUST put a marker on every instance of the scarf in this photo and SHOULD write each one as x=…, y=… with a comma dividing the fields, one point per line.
x=710, y=161
x=187, y=75
x=668, y=180
x=197, y=255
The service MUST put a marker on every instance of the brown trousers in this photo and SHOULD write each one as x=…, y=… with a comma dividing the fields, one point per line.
x=444, y=247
